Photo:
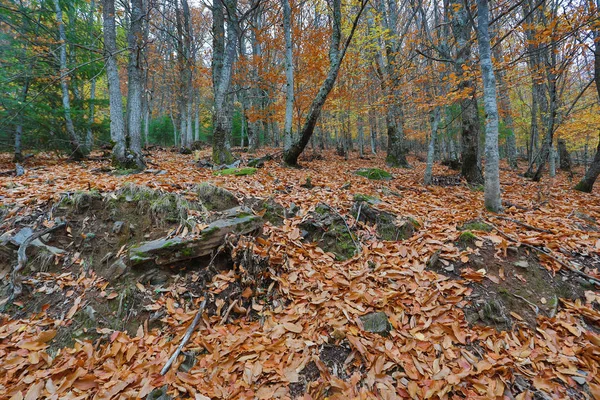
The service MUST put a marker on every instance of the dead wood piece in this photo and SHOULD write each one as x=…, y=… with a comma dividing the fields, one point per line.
x=186, y=337
x=523, y=224
x=15, y=279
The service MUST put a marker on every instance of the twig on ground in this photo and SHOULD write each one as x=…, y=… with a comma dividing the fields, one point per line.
x=233, y=303
x=535, y=307
x=547, y=254
x=15, y=278
x=358, y=246
x=523, y=224
x=186, y=337
x=357, y=216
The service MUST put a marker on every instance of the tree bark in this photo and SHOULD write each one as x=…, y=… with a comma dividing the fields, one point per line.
x=136, y=85
x=78, y=150
x=117, y=121
x=289, y=76
x=223, y=57
x=492, y=168
x=461, y=28
x=434, y=118
x=587, y=183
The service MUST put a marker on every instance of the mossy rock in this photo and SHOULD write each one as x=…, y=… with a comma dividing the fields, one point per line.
x=328, y=229
x=376, y=322
x=374, y=174
x=80, y=200
x=389, y=226
x=476, y=225
x=467, y=238
x=236, y=171
x=215, y=198
x=161, y=206
x=366, y=198
x=271, y=210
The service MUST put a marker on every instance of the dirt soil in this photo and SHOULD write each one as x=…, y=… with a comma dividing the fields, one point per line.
x=510, y=288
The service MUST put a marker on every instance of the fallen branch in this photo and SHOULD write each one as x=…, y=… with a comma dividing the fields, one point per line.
x=547, y=254
x=15, y=280
x=186, y=337
x=523, y=224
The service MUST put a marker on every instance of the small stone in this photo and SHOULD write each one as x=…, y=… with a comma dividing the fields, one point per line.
x=188, y=362
x=579, y=379
x=376, y=322
x=512, y=250
x=522, y=264
x=159, y=394
x=90, y=312
x=449, y=268
x=117, y=269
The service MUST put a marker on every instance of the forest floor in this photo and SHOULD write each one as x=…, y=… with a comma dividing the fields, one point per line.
x=471, y=305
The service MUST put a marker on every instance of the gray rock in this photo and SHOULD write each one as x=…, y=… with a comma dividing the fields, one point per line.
x=522, y=264
x=159, y=394
x=376, y=322
x=188, y=362
x=118, y=227
x=117, y=269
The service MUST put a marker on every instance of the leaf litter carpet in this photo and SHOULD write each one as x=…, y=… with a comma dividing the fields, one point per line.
x=430, y=352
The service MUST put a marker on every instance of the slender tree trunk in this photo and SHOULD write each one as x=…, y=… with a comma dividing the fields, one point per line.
x=289, y=76
x=492, y=158
x=587, y=183
x=78, y=150
x=117, y=121
x=336, y=56
x=223, y=57
x=434, y=118
x=197, y=123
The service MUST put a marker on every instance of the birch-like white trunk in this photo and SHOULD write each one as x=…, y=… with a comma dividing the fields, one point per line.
x=492, y=170
x=289, y=75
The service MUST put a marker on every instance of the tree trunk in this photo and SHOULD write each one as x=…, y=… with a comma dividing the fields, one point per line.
x=492, y=158
x=587, y=183
x=336, y=56
x=504, y=103
x=135, y=85
x=563, y=156
x=461, y=28
x=117, y=121
x=223, y=57
x=434, y=118
x=78, y=150
x=289, y=76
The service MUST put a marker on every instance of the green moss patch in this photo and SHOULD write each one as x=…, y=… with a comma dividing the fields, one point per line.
x=476, y=225
x=374, y=174
x=236, y=171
